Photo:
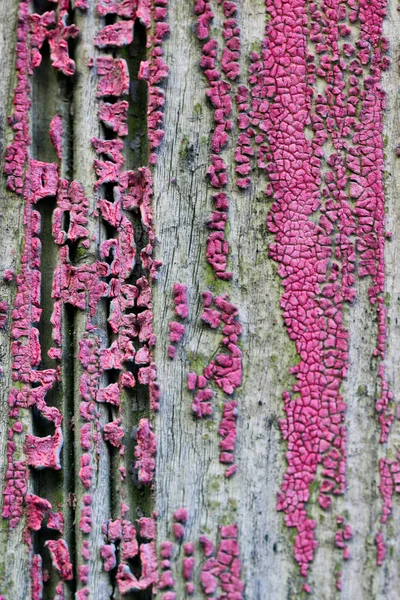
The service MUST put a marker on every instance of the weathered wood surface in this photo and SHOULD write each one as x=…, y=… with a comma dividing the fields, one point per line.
x=188, y=471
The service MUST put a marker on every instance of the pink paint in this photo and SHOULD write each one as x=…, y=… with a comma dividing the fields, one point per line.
x=56, y=134
x=166, y=580
x=145, y=452
x=107, y=552
x=36, y=578
x=71, y=200
x=154, y=70
x=85, y=522
x=60, y=558
x=3, y=314
x=39, y=29
x=113, y=530
x=318, y=276
x=166, y=549
x=342, y=536
x=113, y=76
x=109, y=394
x=41, y=181
x=181, y=515
x=85, y=550
x=16, y=154
x=179, y=531
x=244, y=149
x=207, y=545
x=56, y=521
x=44, y=452
x=114, y=116
x=216, y=254
x=176, y=332
x=225, y=369
x=380, y=548
x=127, y=582
x=220, y=95
x=227, y=430
x=147, y=528
x=188, y=549
x=86, y=471
x=58, y=42
x=114, y=433
x=116, y=35
x=180, y=300
x=83, y=573
x=188, y=567
x=8, y=275
x=224, y=570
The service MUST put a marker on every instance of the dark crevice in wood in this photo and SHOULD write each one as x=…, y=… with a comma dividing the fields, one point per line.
x=39, y=539
x=42, y=6
x=136, y=145
x=45, y=93
x=68, y=457
x=136, y=153
x=48, y=483
x=48, y=263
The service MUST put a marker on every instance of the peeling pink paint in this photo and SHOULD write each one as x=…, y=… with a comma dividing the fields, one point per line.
x=60, y=557
x=176, y=329
x=127, y=582
x=44, y=452
x=220, y=94
x=380, y=548
x=114, y=433
x=16, y=154
x=113, y=76
x=114, y=116
x=317, y=258
x=36, y=578
x=3, y=314
x=145, y=452
x=107, y=553
x=116, y=35
x=180, y=300
x=58, y=42
x=224, y=570
x=316, y=262
x=147, y=528
x=225, y=369
x=56, y=133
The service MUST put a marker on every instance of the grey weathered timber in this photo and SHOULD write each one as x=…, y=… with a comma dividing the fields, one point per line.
x=188, y=472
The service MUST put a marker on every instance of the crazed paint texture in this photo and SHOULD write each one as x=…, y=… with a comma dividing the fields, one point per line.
x=225, y=370
x=130, y=316
x=122, y=535
x=220, y=94
x=36, y=181
x=328, y=208
x=176, y=329
x=84, y=285
x=220, y=570
x=145, y=452
x=310, y=116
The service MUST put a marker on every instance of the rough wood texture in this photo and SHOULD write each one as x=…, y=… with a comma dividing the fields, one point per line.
x=189, y=473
